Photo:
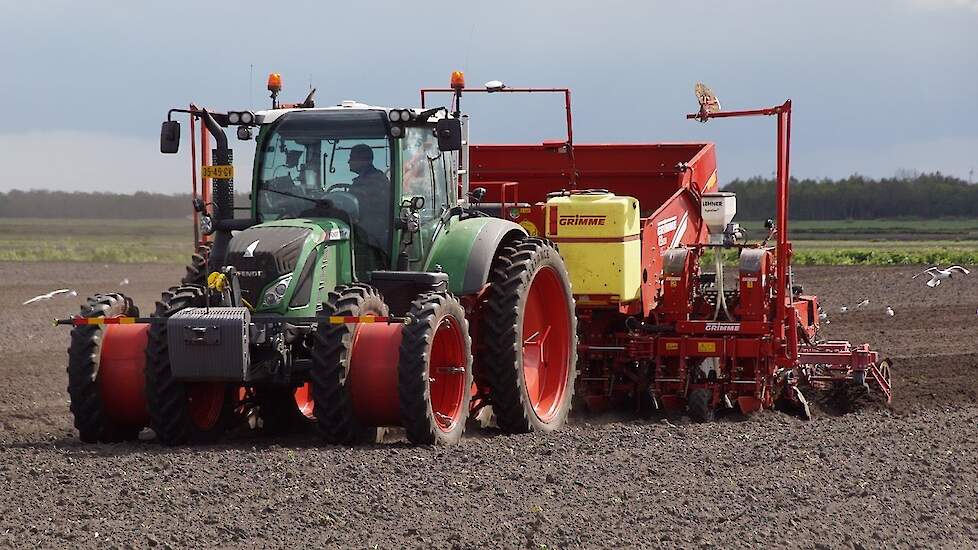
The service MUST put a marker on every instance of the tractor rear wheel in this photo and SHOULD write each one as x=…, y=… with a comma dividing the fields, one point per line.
x=197, y=269
x=94, y=423
x=183, y=412
x=699, y=405
x=435, y=370
x=332, y=348
x=530, y=337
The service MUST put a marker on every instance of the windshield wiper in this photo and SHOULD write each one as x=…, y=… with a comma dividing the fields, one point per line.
x=318, y=202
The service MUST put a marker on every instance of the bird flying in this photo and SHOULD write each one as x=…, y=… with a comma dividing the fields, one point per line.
x=863, y=303
x=50, y=295
x=937, y=274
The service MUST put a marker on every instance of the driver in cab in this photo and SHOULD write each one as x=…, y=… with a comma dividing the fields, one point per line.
x=373, y=191
x=371, y=186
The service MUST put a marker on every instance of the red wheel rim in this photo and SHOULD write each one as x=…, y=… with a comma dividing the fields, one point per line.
x=205, y=403
x=545, y=337
x=446, y=374
x=303, y=400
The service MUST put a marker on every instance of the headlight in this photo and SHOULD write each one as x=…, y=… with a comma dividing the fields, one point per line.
x=275, y=294
x=206, y=224
x=396, y=131
x=234, y=118
x=247, y=117
x=394, y=115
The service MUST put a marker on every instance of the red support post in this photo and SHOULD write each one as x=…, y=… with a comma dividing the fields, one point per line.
x=193, y=174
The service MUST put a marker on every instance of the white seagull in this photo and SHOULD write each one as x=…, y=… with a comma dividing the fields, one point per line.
x=50, y=295
x=889, y=311
x=861, y=304
x=937, y=274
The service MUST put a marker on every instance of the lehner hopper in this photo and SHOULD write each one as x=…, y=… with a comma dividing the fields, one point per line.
x=388, y=273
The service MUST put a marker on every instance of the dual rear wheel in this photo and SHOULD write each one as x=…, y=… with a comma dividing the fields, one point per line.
x=104, y=371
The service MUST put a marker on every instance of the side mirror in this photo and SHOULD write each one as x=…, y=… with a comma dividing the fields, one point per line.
x=170, y=137
x=449, y=134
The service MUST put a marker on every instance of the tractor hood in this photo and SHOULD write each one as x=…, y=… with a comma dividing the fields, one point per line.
x=266, y=253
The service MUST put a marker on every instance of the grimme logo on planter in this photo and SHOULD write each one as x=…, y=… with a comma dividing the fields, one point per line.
x=582, y=219
x=722, y=327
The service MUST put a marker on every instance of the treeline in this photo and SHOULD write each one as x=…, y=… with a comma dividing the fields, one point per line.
x=106, y=206
x=62, y=204
x=856, y=197
x=860, y=198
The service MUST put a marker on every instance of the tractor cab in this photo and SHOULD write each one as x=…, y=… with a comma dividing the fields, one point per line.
x=354, y=165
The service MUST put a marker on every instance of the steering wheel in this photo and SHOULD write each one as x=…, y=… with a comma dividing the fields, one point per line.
x=339, y=187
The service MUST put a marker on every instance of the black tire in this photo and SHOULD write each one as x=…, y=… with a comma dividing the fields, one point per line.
x=278, y=410
x=197, y=269
x=331, y=364
x=167, y=399
x=699, y=405
x=428, y=313
x=512, y=274
x=86, y=402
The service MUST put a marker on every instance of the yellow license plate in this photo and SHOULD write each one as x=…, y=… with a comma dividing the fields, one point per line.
x=219, y=172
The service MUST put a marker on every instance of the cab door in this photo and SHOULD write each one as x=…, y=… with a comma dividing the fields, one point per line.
x=426, y=174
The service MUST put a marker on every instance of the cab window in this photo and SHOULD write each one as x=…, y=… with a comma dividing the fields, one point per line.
x=424, y=172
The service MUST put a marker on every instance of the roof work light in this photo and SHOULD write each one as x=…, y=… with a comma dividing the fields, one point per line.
x=458, y=80
x=274, y=86
x=274, y=82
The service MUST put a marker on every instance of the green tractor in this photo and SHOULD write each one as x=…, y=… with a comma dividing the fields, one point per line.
x=363, y=290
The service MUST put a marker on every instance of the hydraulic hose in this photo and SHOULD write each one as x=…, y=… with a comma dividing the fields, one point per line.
x=721, y=298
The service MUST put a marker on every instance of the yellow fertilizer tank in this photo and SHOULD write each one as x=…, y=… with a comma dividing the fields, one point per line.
x=598, y=236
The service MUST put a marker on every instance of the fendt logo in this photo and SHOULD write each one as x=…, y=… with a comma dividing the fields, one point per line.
x=582, y=219
x=722, y=327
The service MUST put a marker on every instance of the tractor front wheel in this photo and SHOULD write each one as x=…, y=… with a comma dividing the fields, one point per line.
x=530, y=337
x=435, y=370
x=332, y=352
x=183, y=412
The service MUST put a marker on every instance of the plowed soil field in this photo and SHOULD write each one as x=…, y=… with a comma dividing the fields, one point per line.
x=901, y=477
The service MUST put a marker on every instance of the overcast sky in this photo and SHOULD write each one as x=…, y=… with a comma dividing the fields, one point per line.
x=877, y=86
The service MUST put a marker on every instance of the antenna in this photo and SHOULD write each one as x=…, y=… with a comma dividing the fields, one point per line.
x=251, y=88
x=468, y=44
